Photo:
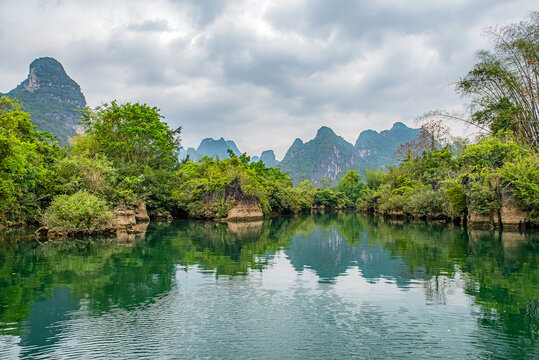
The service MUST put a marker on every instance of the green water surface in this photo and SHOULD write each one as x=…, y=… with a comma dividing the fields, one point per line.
x=327, y=286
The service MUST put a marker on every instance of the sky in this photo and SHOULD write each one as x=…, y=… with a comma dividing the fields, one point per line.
x=261, y=73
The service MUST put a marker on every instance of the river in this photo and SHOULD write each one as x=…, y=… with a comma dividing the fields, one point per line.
x=338, y=285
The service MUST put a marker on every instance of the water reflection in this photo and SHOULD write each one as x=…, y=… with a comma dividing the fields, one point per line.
x=336, y=264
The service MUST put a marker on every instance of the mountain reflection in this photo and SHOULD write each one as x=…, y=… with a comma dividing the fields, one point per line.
x=42, y=284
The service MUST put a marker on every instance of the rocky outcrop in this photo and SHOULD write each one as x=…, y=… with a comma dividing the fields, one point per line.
x=42, y=233
x=245, y=210
x=159, y=217
x=480, y=221
x=511, y=214
x=232, y=203
x=130, y=222
x=141, y=213
x=246, y=207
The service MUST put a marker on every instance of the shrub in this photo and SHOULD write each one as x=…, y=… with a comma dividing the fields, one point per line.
x=424, y=201
x=82, y=171
x=80, y=211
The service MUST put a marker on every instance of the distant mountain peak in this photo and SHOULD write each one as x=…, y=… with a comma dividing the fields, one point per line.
x=399, y=125
x=325, y=131
x=268, y=158
x=329, y=155
x=296, y=142
x=211, y=147
x=268, y=153
x=325, y=156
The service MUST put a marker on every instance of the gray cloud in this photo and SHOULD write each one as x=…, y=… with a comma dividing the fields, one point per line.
x=150, y=25
x=259, y=72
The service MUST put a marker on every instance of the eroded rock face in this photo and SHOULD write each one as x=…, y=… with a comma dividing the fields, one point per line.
x=131, y=221
x=41, y=233
x=481, y=221
x=162, y=218
x=124, y=217
x=141, y=213
x=242, y=206
x=246, y=207
x=512, y=216
x=245, y=210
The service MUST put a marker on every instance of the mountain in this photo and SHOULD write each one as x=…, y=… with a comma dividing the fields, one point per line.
x=211, y=147
x=329, y=155
x=267, y=157
x=326, y=156
x=378, y=149
x=51, y=97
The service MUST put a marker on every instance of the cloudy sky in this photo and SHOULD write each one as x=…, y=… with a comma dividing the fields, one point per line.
x=259, y=72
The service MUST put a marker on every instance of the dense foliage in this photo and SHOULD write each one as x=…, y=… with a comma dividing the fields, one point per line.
x=441, y=176
x=26, y=159
x=202, y=187
x=442, y=183
x=126, y=155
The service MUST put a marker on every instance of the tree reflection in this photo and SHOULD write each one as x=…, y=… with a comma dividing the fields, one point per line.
x=500, y=270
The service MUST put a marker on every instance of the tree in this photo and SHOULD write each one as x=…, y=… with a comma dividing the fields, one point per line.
x=142, y=148
x=375, y=178
x=504, y=83
x=26, y=156
x=351, y=185
x=133, y=134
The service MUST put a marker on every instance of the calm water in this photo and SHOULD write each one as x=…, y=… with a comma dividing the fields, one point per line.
x=306, y=287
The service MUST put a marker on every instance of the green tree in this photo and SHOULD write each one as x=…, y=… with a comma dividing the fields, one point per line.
x=351, y=185
x=133, y=135
x=142, y=148
x=375, y=178
x=26, y=157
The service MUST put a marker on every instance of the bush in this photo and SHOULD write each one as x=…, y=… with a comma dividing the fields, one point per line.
x=425, y=201
x=82, y=171
x=78, y=212
x=351, y=185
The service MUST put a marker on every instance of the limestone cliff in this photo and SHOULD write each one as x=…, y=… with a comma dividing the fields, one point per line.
x=51, y=97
